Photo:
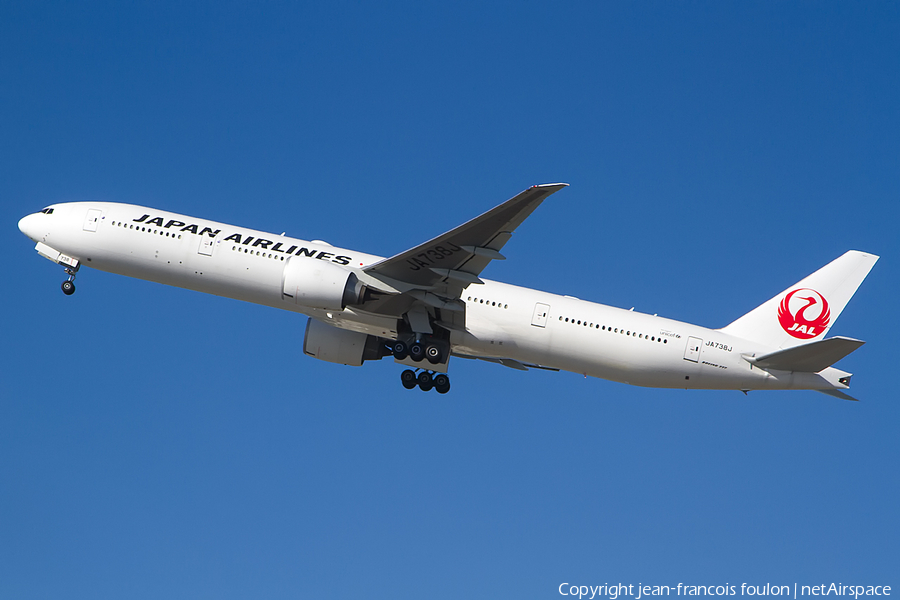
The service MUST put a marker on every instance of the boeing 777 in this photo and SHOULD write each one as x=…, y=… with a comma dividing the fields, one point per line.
x=429, y=304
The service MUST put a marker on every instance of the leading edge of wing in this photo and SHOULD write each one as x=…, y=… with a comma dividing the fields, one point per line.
x=462, y=253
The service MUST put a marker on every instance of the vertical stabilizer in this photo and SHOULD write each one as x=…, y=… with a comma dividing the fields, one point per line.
x=806, y=311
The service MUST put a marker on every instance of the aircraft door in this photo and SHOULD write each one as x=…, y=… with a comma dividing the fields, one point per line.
x=92, y=219
x=692, y=351
x=539, y=318
x=206, y=246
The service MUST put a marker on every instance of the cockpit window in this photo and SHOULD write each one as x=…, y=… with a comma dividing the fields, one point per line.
x=47, y=211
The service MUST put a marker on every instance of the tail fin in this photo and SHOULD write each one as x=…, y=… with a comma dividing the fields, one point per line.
x=806, y=311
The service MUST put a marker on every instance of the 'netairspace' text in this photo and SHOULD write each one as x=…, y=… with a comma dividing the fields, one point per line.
x=639, y=591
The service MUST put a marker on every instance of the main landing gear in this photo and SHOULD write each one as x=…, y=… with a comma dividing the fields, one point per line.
x=418, y=351
x=68, y=286
x=426, y=380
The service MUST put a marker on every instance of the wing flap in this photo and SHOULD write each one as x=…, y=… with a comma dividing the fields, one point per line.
x=808, y=358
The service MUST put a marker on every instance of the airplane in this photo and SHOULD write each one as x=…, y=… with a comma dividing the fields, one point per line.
x=429, y=304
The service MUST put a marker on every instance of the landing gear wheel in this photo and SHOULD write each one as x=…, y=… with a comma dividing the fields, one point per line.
x=400, y=350
x=408, y=379
x=68, y=288
x=425, y=381
x=417, y=351
x=433, y=354
x=441, y=383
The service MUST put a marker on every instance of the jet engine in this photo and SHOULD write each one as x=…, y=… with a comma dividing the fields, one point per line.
x=341, y=346
x=320, y=284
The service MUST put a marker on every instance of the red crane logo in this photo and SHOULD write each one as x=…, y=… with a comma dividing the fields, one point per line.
x=804, y=313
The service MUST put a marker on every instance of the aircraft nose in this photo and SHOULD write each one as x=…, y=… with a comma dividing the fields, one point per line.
x=29, y=227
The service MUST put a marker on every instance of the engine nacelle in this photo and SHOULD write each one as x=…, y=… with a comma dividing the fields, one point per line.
x=341, y=346
x=320, y=284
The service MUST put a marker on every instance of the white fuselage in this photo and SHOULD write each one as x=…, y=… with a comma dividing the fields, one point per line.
x=502, y=321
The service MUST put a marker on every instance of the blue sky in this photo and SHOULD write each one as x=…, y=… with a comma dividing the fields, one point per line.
x=156, y=442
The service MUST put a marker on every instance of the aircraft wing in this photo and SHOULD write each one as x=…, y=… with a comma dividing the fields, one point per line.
x=450, y=262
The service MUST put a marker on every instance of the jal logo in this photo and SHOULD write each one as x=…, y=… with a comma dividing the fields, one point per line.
x=804, y=313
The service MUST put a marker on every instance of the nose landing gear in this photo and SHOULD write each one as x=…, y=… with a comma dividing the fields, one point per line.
x=68, y=286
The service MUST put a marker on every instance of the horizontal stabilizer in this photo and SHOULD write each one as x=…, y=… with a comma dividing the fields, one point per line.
x=808, y=358
x=838, y=394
